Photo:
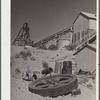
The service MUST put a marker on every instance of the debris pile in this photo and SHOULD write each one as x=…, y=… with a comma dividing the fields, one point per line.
x=87, y=79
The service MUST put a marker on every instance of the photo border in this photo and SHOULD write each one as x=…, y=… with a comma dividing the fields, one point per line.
x=6, y=43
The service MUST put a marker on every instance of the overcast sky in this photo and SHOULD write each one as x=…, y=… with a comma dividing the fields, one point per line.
x=46, y=17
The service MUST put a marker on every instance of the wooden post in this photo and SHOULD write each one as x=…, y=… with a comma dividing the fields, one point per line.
x=67, y=67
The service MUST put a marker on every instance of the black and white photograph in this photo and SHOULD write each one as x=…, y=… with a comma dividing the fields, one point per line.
x=53, y=50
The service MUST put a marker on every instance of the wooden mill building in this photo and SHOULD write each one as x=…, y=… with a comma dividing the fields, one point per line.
x=84, y=41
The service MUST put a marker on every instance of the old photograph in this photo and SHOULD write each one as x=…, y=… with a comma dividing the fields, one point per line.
x=53, y=49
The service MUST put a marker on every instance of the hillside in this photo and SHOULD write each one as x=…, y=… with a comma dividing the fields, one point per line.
x=30, y=59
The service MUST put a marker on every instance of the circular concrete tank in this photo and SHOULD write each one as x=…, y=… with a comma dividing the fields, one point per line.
x=62, y=42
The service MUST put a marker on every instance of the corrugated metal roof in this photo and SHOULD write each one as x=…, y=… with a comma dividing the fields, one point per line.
x=92, y=45
x=86, y=15
x=90, y=15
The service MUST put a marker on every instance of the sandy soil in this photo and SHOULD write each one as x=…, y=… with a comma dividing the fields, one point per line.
x=20, y=92
x=19, y=65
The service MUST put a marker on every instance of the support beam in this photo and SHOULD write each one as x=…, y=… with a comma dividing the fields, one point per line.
x=52, y=37
x=23, y=37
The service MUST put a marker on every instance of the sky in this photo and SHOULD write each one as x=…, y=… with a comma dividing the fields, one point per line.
x=46, y=17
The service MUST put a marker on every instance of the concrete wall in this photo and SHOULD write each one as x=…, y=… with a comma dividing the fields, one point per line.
x=67, y=36
x=92, y=24
x=86, y=59
x=62, y=43
x=80, y=24
x=51, y=42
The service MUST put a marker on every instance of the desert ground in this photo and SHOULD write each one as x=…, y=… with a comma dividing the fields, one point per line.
x=29, y=59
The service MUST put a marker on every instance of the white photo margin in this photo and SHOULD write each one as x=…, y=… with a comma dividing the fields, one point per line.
x=5, y=49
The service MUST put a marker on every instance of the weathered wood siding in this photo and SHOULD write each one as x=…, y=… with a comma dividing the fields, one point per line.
x=80, y=24
x=92, y=24
x=86, y=59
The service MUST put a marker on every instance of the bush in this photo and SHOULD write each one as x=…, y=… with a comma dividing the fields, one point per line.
x=23, y=55
x=17, y=56
x=89, y=86
x=69, y=47
x=33, y=51
x=42, y=47
x=52, y=47
x=28, y=53
x=32, y=58
x=17, y=71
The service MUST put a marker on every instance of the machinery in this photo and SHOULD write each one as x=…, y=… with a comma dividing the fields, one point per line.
x=56, y=36
x=59, y=85
x=23, y=37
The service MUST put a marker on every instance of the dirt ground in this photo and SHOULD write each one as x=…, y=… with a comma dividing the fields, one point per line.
x=19, y=91
x=30, y=60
